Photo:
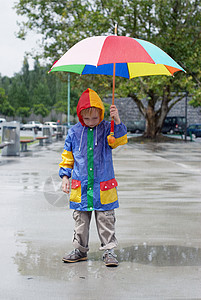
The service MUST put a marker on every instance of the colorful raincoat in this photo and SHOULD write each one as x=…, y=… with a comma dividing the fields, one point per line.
x=87, y=157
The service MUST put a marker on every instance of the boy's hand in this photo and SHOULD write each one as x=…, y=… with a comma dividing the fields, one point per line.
x=115, y=114
x=65, y=184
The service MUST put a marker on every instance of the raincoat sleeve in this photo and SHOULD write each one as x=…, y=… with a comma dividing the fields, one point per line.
x=120, y=134
x=66, y=166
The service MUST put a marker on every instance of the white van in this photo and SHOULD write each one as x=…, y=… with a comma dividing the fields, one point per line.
x=51, y=124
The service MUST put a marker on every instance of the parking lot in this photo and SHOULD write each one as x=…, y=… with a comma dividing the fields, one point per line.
x=158, y=227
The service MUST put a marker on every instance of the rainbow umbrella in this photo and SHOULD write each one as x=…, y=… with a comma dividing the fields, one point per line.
x=117, y=56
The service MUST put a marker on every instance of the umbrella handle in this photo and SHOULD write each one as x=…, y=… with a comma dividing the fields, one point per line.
x=112, y=127
x=111, y=138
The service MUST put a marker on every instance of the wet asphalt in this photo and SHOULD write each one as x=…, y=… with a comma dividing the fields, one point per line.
x=158, y=227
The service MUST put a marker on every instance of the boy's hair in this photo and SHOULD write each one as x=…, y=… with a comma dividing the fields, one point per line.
x=89, y=110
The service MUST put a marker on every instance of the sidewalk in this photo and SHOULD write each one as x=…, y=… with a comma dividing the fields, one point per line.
x=158, y=227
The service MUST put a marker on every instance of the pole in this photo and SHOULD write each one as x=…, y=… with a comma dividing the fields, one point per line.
x=68, y=113
x=112, y=138
x=186, y=103
x=114, y=67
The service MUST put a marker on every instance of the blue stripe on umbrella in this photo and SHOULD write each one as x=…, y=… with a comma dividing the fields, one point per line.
x=121, y=70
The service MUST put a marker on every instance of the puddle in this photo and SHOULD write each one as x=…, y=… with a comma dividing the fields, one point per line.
x=161, y=255
x=42, y=261
x=8, y=161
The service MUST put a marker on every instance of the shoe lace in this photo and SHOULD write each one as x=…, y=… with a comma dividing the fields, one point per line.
x=110, y=253
x=75, y=251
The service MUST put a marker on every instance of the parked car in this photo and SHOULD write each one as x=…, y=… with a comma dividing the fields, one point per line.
x=194, y=129
x=32, y=125
x=174, y=125
x=2, y=120
x=21, y=124
x=51, y=124
x=136, y=126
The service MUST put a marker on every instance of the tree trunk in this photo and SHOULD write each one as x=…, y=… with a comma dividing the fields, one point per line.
x=154, y=118
x=150, y=130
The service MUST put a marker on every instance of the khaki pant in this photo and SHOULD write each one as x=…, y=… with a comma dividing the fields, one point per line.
x=105, y=223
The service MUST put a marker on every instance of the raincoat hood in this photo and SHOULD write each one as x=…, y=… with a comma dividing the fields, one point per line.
x=89, y=98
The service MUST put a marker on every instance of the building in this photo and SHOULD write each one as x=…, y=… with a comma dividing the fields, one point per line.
x=129, y=111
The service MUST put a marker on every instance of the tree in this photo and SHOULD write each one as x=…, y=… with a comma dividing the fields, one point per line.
x=5, y=108
x=25, y=73
x=3, y=98
x=40, y=110
x=41, y=94
x=18, y=94
x=8, y=110
x=27, y=88
x=23, y=112
x=61, y=104
x=173, y=25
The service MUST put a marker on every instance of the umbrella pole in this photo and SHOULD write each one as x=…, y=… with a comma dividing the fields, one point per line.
x=114, y=67
x=111, y=137
x=113, y=88
x=112, y=121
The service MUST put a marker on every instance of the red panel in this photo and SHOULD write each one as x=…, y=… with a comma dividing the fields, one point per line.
x=83, y=103
x=121, y=49
x=75, y=184
x=108, y=185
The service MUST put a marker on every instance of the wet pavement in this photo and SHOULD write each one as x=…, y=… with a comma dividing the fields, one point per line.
x=158, y=227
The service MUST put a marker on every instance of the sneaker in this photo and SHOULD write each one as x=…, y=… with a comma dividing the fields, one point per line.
x=75, y=256
x=109, y=258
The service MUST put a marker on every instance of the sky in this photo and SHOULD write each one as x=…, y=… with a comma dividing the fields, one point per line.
x=12, y=49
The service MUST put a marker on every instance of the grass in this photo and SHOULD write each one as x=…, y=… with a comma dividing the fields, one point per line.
x=25, y=138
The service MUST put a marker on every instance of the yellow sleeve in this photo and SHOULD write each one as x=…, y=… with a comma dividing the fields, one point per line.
x=67, y=160
x=118, y=141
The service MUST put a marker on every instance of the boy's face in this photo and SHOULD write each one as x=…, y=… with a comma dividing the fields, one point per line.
x=91, y=119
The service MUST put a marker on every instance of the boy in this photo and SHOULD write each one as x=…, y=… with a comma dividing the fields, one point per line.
x=88, y=156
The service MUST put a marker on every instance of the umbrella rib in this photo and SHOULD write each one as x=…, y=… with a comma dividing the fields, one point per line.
x=128, y=71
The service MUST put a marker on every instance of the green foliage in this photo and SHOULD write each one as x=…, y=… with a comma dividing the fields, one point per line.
x=28, y=88
x=23, y=112
x=3, y=96
x=60, y=106
x=5, y=107
x=40, y=109
x=8, y=110
x=196, y=100
x=107, y=111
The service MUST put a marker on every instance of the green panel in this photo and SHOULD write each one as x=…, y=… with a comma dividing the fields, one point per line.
x=70, y=68
x=90, y=167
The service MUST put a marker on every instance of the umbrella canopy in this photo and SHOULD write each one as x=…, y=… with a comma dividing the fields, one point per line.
x=133, y=58
x=118, y=56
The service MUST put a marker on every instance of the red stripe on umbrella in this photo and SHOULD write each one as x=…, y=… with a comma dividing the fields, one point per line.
x=120, y=50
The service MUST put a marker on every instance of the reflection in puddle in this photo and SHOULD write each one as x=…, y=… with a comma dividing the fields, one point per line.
x=30, y=180
x=33, y=261
x=162, y=255
x=8, y=161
